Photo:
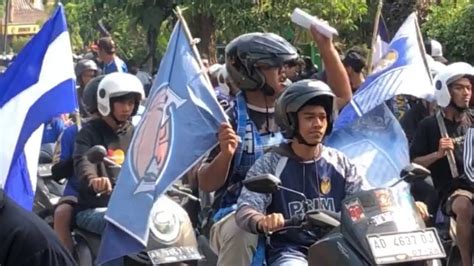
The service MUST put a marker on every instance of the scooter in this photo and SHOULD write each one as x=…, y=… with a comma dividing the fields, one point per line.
x=376, y=227
x=172, y=239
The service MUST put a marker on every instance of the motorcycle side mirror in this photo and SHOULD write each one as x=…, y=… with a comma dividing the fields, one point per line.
x=96, y=154
x=411, y=173
x=414, y=171
x=265, y=184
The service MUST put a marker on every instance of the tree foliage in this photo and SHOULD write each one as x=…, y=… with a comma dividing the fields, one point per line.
x=453, y=26
x=230, y=18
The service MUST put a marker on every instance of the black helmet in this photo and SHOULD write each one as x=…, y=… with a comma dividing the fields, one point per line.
x=247, y=51
x=84, y=65
x=89, y=97
x=295, y=97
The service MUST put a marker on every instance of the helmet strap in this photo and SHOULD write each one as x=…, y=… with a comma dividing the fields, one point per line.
x=303, y=141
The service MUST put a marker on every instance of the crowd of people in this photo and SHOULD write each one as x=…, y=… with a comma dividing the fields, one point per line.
x=280, y=109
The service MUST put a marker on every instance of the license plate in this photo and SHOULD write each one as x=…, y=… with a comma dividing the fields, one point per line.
x=406, y=246
x=174, y=254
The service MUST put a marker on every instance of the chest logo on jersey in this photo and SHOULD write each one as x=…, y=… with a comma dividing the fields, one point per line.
x=325, y=186
x=153, y=139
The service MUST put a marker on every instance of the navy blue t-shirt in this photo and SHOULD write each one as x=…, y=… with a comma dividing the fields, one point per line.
x=325, y=182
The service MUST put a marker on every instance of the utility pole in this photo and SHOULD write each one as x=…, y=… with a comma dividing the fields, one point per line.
x=5, y=26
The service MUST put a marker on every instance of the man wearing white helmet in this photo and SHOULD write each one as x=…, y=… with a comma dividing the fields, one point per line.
x=118, y=97
x=453, y=87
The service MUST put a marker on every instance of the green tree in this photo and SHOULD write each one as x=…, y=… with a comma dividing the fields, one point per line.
x=219, y=21
x=149, y=16
x=452, y=24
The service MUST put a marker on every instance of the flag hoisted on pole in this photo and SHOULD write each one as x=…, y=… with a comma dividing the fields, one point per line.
x=38, y=86
x=178, y=128
x=380, y=40
x=366, y=131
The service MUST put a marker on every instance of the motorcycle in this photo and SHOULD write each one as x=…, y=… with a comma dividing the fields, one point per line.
x=172, y=239
x=376, y=227
x=48, y=190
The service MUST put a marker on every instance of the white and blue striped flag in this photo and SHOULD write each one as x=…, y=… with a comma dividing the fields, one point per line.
x=37, y=86
x=366, y=131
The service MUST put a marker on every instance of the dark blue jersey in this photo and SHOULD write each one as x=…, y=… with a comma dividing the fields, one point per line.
x=325, y=182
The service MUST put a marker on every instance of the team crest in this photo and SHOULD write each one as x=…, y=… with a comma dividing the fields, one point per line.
x=325, y=186
x=150, y=147
x=387, y=61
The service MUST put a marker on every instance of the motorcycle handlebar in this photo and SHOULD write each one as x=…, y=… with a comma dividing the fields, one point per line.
x=293, y=221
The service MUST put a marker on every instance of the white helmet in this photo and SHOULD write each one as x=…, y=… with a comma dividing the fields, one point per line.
x=435, y=66
x=447, y=76
x=115, y=85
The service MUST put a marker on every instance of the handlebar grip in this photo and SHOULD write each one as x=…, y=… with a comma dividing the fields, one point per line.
x=293, y=221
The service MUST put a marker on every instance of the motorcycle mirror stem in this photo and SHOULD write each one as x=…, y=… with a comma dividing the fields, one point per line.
x=305, y=202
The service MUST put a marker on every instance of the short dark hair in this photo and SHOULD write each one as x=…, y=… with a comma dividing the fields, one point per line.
x=107, y=45
x=355, y=59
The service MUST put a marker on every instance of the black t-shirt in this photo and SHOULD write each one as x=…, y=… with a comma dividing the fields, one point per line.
x=27, y=240
x=412, y=118
x=96, y=132
x=426, y=141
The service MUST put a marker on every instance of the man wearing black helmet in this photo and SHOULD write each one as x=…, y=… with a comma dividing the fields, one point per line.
x=304, y=112
x=256, y=64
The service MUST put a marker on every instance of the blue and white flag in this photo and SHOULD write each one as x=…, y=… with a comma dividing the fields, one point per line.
x=366, y=131
x=469, y=154
x=402, y=70
x=178, y=128
x=382, y=41
x=38, y=86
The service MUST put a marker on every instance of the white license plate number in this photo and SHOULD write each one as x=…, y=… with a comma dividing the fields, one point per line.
x=174, y=254
x=407, y=246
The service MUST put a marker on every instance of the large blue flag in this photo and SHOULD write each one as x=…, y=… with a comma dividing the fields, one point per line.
x=365, y=130
x=178, y=128
x=402, y=70
x=38, y=86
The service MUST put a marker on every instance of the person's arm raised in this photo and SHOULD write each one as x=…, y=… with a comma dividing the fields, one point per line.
x=337, y=77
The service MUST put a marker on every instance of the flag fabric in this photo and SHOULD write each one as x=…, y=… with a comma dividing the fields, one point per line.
x=38, y=86
x=376, y=144
x=469, y=154
x=382, y=41
x=402, y=70
x=179, y=127
x=366, y=131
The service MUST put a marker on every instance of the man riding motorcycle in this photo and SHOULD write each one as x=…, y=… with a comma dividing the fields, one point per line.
x=85, y=71
x=305, y=113
x=256, y=64
x=65, y=167
x=429, y=148
x=118, y=98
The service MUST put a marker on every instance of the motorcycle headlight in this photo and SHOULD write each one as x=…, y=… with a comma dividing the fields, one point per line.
x=165, y=226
